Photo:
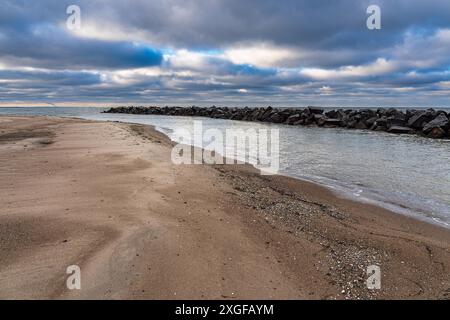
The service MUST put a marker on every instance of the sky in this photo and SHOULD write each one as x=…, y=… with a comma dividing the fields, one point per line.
x=224, y=52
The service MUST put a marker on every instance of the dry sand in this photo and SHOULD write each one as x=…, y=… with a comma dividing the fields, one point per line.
x=106, y=197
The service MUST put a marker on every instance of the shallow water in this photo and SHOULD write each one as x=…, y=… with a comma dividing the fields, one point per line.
x=408, y=174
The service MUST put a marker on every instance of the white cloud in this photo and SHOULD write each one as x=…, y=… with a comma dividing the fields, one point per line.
x=380, y=67
x=326, y=91
x=424, y=51
x=262, y=55
x=185, y=59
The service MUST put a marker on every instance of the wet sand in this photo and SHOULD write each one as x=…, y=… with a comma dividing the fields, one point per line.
x=106, y=197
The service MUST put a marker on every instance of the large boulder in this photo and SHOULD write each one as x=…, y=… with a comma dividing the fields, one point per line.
x=410, y=113
x=392, y=112
x=419, y=119
x=400, y=130
x=315, y=110
x=436, y=133
x=285, y=114
x=333, y=114
x=307, y=116
x=299, y=122
x=370, y=122
x=351, y=123
x=360, y=125
x=332, y=123
x=441, y=121
x=217, y=114
x=381, y=112
x=306, y=113
x=294, y=118
x=327, y=122
x=320, y=119
x=254, y=115
x=398, y=119
x=345, y=119
x=237, y=116
x=276, y=117
x=266, y=113
x=367, y=113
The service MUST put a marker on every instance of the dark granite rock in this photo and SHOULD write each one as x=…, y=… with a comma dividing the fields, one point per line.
x=351, y=123
x=397, y=120
x=360, y=125
x=320, y=119
x=333, y=114
x=441, y=121
x=265, y=114
x=400, y=130
x=370, y=122
x=419, y=118
x=332, y=123
x=293, y=119
x=315, y=110
x=276, y=117
x=437, y=133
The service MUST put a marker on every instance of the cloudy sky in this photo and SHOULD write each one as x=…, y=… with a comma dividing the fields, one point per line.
x=234, y=52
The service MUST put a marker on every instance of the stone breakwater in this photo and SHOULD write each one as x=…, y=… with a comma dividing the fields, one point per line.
x=430, y=123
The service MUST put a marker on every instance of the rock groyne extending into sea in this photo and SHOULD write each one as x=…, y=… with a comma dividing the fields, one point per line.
x=430, y=123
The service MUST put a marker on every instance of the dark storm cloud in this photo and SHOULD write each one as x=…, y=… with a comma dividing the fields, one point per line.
x=45, y=46
x=33, y=33
x=218, y=23
x=321, y=25
x=69, y=78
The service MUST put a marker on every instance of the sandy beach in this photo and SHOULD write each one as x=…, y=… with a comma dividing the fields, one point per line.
x=106, y=197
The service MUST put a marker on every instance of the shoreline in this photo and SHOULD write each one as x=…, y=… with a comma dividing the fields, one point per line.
x=341, y=191
x=393, y=207
x=309, y=242
x=323, y=195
